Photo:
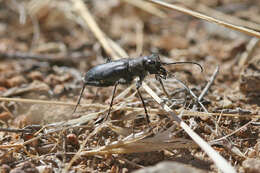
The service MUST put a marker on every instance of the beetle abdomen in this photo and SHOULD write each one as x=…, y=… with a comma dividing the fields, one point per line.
x=107, y=74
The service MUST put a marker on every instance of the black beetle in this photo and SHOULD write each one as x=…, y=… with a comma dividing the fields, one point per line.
x=124, y=71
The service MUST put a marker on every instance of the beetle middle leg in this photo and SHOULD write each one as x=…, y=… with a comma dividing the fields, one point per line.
x=111, y=103
x=138, y=85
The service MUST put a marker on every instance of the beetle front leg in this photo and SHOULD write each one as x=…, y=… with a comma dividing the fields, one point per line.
x=158, y=77
x=80, y=96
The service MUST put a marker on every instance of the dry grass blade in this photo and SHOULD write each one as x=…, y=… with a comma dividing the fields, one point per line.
x=35, y=101
x=117, y=49
x=149, y=8
x=220, y=162
x=205, y=17
x=139, y=37
x=202, y=114
x=220, y=15
x=247, y=55
x=139, y=143
x=83, y=11
x=223, y=16
x=185, y=113
x=120, y=130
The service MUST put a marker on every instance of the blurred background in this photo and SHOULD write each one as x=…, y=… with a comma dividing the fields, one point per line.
x=47, y=46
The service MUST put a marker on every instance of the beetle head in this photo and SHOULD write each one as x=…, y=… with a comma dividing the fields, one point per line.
x=152, y=64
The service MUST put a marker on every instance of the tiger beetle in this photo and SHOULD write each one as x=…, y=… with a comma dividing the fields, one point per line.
x=124, y=71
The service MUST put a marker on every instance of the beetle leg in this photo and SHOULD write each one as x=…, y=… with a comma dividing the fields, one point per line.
x=111, y=103
x=108, y=59
x=145, y=110
x=161, y=82
x=138, y=85
x=80, y=96
x=122, y=81
x=139, y=81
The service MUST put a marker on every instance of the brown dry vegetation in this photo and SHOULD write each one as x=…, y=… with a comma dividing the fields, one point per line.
x=47, y=46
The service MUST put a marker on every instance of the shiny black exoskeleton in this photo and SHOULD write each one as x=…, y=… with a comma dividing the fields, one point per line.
x=124, y=71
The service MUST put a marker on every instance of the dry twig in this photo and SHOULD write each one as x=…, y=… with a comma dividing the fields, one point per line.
x=211, y=80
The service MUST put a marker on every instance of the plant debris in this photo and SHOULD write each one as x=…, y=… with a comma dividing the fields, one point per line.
x=47, y=47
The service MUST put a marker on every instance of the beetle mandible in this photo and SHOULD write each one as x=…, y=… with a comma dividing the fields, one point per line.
x=124, y=71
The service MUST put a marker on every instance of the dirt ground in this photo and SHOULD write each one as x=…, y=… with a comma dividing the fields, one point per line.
x=46, y=47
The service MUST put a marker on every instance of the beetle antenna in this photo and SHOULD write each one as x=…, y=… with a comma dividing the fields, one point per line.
x=80, y=96
x=185, y=62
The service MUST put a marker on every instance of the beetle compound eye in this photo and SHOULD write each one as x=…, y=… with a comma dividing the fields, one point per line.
x=151, y=62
